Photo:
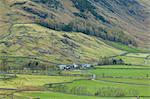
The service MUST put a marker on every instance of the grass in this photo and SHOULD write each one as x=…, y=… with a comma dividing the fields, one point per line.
x=136, y=58
x=52, y=95
x=133, y=60
x=34, y=40
x=44, y=43
x=99, y=87
x=91, y=87
x=33, y=80
x=126, y=48
x=55, y=95
x=142, y=55
x=121, y=72
x=73, y=72
x=123, y=86
x=122, y=67
x=128, y=81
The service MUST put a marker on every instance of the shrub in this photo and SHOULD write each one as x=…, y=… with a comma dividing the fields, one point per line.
x=81, y=90
x=110, y=91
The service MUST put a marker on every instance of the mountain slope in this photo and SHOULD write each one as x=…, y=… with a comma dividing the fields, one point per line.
x=67, y=31
x=147, y=21
x=124, y=21
x=31, y=40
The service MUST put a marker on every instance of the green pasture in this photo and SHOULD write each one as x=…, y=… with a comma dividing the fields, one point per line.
x=121, y=72
x=92, y=87
x=131, y=81
x=122, y=67
x=33, y=80
x=144, y=55
x=136, y=58
x=126, y=48
x=56, y=95
x=145, y=82
x=133, y=60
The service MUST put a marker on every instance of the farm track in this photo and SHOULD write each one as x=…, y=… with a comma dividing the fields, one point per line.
x=101, y=81
x=136, y=57
x=122, y=82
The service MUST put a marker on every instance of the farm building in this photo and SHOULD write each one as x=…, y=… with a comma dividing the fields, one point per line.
x=86, y=65
x=62, y=67
x=74, y=66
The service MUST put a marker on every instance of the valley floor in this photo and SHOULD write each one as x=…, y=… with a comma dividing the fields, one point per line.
x=117, y=81
x=55, y=95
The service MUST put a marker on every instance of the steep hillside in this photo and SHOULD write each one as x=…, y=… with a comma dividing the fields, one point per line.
x=31, y=40
x=147, y=21
x=125, y=21
x=71, y=30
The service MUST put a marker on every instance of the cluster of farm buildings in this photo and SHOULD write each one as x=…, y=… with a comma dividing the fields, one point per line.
x=74, y=66
x=87, y=66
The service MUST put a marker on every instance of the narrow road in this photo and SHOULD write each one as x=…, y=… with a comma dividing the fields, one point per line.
x=122, y=82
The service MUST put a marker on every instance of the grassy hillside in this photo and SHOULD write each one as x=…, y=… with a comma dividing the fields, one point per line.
x=24, y=36
x=37, y=35
x=23, y=81
x=120, y=21
x=126, y=48
x=31, y=40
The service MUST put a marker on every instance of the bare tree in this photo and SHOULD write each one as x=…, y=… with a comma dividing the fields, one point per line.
x=3, y=65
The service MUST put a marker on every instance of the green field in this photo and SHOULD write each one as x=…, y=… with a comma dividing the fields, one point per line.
x=138, y=55
x=37, y=36
x=106, y=88
x=118, y=72
x=145, y=82
x=111, y=80
x=136, y=58
x=126, y=48
x=122, y=67
x=33, y=80
x=55, y=95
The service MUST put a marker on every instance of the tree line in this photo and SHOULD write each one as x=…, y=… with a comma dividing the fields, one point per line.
x=89, y=28
x=8, y=66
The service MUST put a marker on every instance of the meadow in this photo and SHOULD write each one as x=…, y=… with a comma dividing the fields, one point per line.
x=136, y=58
x=30, y=50
x=110, y=82
x=121, y=72
x=33, y=80
x=56, y=95
x=104, y=88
